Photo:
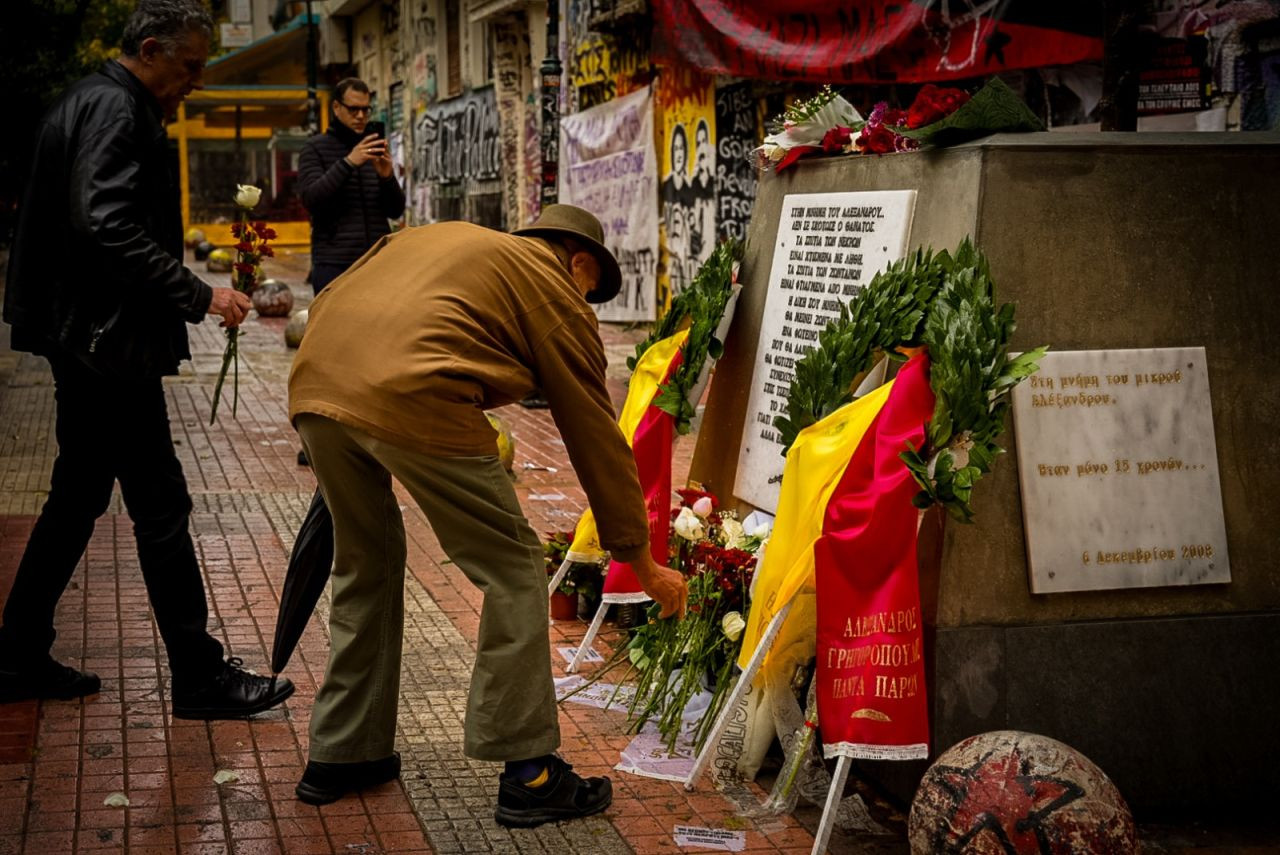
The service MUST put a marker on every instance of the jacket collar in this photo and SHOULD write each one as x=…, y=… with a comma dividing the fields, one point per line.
x=342, y=132
x=113, y=70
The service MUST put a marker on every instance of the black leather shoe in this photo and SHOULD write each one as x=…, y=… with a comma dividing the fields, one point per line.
x=46, y=679
x=565, y=795
x=323, y=783
x=233, y=693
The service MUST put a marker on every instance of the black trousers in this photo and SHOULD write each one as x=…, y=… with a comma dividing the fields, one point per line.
x=108, y=430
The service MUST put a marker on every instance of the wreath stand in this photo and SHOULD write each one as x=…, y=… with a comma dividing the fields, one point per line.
x=745, y=679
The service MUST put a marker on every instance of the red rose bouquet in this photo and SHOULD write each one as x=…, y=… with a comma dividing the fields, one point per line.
x=252, y=245
x=933, y=104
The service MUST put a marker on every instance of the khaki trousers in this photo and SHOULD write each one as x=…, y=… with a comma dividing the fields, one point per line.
x=471, y=506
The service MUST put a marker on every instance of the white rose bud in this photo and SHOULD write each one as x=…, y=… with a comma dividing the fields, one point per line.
x=733, y=625
x=688, y=525
x=703, y=507
x=247, y=196
x=762, y=529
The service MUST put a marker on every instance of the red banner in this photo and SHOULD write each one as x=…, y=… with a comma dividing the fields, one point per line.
x=873, y=41
x=871, y=683
x=651, y=446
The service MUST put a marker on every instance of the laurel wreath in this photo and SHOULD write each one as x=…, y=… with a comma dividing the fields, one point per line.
x=703, y=304
x=945, y=303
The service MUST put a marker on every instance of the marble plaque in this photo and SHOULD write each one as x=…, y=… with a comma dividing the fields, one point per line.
x=1119, y=471
x=829, y=246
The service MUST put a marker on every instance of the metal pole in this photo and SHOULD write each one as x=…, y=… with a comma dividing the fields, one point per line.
x=834, y=795
x=313, y=105
x=550, y=136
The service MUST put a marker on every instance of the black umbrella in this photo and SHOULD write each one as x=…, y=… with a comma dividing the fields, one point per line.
x=304, y=581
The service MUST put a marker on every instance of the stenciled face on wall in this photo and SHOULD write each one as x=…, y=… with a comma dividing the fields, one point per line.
x=679, y=151
x=702, y=155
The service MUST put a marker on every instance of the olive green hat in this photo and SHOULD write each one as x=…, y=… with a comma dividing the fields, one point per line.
x=581, y=225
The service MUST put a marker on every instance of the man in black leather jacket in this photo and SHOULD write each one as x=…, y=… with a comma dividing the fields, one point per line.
x=346, y=181
x=96, y=285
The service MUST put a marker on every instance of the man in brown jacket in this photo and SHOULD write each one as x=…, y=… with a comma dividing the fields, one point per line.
x=403, y=354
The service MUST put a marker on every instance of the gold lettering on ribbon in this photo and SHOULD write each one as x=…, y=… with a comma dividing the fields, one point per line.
x=890, y=622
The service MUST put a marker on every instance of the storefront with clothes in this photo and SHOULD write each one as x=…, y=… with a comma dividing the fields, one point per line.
x=248, y=126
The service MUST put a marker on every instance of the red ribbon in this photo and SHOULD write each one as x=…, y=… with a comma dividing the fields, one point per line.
x=871, y=682
x=651, y=447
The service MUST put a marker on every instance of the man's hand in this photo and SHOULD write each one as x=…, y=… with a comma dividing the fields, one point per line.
x=382, y=164
x=231, y=304
x=667, y=587
x=372, y=148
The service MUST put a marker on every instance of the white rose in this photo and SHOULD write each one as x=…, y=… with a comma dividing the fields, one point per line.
x=733, y=533
x=733, y=625
x=703, y=507
x=762, y=530
x=247, y=196
x=688, y=525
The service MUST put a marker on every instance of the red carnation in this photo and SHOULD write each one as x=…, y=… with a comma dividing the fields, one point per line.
x=688, y=496
x=875, y=139
x=933, y=103
x=835, y=140
x=244, y=246
x=241, y=267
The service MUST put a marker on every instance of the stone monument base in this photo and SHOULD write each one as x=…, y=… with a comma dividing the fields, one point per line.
x=1195, y=744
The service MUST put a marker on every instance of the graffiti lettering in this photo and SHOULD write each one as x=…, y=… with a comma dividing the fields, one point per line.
x=459, y=139
x=737, y=135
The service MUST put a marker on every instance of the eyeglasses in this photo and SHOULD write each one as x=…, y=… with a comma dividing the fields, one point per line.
x=358, y=111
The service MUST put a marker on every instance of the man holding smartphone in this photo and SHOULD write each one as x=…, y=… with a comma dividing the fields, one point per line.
x=346, y=181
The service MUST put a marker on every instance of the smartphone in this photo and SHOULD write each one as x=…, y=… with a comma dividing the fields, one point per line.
x=376, y=128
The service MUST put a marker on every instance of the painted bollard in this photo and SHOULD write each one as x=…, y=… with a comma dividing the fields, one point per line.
x=1011, y=792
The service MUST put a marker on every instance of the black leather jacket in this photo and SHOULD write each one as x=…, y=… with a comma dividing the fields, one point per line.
x=349, y=205
x=95, y=269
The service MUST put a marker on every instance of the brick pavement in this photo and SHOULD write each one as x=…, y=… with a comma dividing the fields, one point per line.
x=60, y=761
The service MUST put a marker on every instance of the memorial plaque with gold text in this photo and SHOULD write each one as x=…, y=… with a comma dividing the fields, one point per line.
x=1119, y=471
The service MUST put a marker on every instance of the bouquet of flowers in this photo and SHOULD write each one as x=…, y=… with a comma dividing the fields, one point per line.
x=252, y=245
x=672, y=659
x=827, y=124
x=821, y=125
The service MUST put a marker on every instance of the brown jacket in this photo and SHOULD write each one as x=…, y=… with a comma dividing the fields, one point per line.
x=436, y=324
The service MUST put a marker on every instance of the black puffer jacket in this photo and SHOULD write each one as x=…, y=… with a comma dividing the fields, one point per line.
x=349, y=205
x=96, y=268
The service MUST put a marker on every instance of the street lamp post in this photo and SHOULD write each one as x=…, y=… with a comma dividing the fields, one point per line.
x=550, y=136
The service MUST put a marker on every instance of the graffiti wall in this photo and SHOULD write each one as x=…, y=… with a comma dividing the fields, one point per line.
x=458, y=150
x=610, y=168
x=512, y=83
x=737, y=135
x=687, y=165
x=601, y=67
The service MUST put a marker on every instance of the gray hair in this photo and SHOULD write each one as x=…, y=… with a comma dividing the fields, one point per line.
x=166, y=21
